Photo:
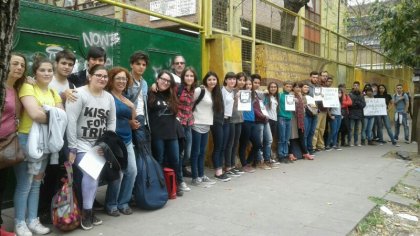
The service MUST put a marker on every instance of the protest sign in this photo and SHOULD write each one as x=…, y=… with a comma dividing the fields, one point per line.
x=375, y=107
x=318, y=94
x=244, y=101
x=330, y=97
x=290, y=103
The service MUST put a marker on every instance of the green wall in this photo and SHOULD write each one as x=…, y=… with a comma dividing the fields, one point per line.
x=44, y=29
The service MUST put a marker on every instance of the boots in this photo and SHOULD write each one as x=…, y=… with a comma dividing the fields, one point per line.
x=87, y=219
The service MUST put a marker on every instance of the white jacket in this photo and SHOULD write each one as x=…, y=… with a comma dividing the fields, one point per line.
x=45, y=139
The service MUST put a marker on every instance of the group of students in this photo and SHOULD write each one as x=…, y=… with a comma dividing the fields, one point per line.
x=177, y=113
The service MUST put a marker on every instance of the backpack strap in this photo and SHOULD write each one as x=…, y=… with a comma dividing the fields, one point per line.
x=200, y=97
x=180, y=88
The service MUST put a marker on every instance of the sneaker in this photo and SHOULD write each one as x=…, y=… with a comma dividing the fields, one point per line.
x=337, y=148
x=207, y=180
x=186, y=173
x=114, y=213
x=126, y=211
x=371, y=143
x=37, y=228
x=239, y=170
x=86, y=222
x=232, y=173
x=196, y=182
x=351, y=145
x=273, y=166
x=407, y=142
x=263, y=166
x=21, y=229
x=223, y=177
x=179, y=192
x=328, y=149
x=274, y=162
x=183, y=186
x=395, y=144
x=359, y=145
x=248, y=169
x=284, y=160
x=95, y=220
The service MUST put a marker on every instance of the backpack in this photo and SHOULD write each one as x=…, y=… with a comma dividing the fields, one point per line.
x=150, y=191
x=200, y=97
x=65, y=212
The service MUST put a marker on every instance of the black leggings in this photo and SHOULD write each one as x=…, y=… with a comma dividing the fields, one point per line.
x=301, y=135
x=3, y=183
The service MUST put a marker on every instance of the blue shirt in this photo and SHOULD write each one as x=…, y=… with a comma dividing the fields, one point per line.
x=400, y=104
x=123, y=114
x=249, y=115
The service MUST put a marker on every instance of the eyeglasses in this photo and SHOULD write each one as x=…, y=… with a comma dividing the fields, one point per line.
x=121, y=79
x=101, y=76
x=167, y=81
x=179, y=63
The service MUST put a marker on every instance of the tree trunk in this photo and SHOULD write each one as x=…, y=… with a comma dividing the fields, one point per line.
x=287, y=23
x=9, y=12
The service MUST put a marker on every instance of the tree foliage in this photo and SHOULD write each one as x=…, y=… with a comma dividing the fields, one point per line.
x=398, y=27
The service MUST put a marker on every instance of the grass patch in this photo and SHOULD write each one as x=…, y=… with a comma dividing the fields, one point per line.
x=372, y=220
x=377, y=200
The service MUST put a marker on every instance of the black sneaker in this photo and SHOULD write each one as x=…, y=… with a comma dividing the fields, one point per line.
x=96, y=220
x=283, y=160
x=179, y=192
x=328, y=149
x=186, y=173
x=232, y=173
x=223, y=177
x=86, y=221
x=239, y=170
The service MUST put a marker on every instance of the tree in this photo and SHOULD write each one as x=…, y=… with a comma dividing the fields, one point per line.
x=9, y=11
x=398, y=27
x=287, y=23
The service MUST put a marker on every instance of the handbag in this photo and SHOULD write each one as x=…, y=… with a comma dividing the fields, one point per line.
x=10, y=151
x=65, y=212
x=311, y=111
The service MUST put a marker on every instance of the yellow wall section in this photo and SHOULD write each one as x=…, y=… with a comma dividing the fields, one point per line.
x=225, y=55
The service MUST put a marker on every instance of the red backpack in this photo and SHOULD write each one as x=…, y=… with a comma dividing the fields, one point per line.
x=65, y=212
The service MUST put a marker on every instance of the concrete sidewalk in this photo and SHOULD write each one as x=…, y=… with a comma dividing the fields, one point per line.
x=327, y=196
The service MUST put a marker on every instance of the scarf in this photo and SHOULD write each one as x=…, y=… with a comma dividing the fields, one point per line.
x=300, y=115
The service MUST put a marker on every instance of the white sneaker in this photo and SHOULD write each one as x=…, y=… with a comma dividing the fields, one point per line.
x=207, y=180
x=196, y=182
x=21, y=229
x=183, y=186
x=37, y=228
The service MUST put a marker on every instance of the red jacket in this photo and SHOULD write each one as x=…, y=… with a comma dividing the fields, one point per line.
x=346, y=102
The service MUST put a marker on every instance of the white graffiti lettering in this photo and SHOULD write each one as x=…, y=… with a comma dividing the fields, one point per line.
x=101, y=40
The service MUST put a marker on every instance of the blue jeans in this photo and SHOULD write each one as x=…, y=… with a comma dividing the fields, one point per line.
x=167, y=152
x=232, y=146
x=354, y=130
x=310, y=126
x=26, y=196
x=186, y=148
x=267, y=141
x=250, y=132
x=119, y=192
x=334, y=128
x=284, y=131
x=367, y=128
x=228, y=135
x=198, y=149
x=381, y=121
x=405, y=124
x=217, y=154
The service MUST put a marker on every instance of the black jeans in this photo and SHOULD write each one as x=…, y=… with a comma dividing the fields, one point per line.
x=3, y=182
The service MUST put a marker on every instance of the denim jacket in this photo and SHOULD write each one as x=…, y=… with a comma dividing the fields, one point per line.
x=132, y=92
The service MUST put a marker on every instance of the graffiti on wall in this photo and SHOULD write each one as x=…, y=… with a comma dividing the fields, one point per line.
x=104, y=40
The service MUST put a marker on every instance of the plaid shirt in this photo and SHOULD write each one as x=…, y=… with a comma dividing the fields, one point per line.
x=185, y=112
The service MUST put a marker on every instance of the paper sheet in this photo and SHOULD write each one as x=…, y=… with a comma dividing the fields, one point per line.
x=244, y=101
x=290, y=103
x=92, y=163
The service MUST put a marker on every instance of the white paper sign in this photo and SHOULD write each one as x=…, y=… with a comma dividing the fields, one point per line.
x=310, y=100
x=244, y=100
x=375, y=107
x=263, y=109
x=92, y=163
x=318, y=94
x=290, y=103
x=330, y=97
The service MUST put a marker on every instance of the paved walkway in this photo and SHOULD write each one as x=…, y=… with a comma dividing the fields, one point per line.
x=328, y=196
